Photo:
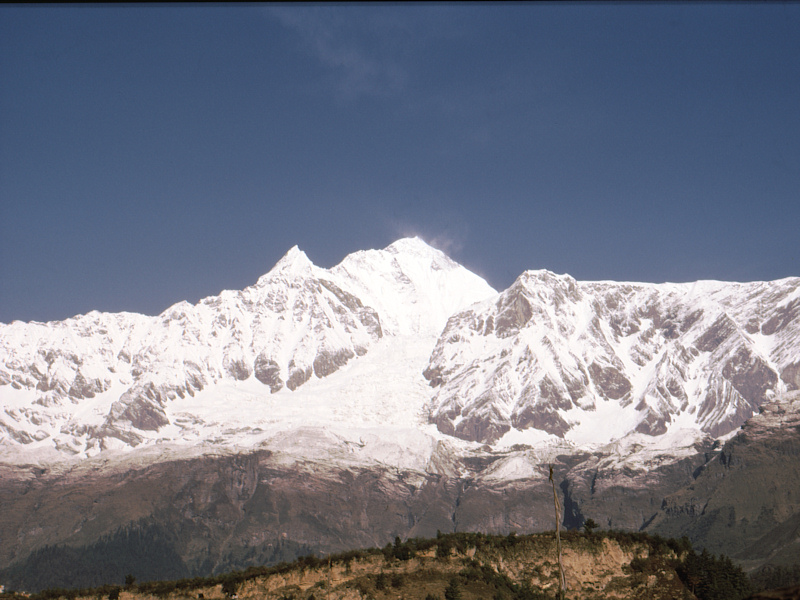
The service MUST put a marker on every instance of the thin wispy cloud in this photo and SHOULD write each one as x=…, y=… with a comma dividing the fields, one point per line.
x=358, y=51
x=372, y=51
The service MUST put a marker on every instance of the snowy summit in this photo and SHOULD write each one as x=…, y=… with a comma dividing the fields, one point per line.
x=396, y=354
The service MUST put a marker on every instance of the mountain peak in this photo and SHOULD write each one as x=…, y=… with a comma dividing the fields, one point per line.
x=294, y=263
x=417, y=248
x=412, y=245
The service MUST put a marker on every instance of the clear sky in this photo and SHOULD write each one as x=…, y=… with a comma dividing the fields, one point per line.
x=151, y=154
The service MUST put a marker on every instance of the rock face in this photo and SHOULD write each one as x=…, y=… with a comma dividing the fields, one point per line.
x=552, y=354
x=745, y=500
x=219, y=508
x=625, y=496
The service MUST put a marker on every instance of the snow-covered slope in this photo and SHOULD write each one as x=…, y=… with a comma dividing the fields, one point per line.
x=403, y=357
x=593, y=362
x=235, y=367
x=414, y=289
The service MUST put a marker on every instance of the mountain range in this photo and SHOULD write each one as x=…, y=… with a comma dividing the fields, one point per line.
x=394, y=394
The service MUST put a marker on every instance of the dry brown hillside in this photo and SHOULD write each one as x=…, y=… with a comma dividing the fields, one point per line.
x=452, y=567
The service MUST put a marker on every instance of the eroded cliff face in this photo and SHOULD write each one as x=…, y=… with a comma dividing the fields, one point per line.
x=595, y=568
x=621, y=497
x=224, y=512
x=219, y=513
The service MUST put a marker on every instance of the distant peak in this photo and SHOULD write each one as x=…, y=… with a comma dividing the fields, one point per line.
x=414, y=245
x=545, y=277
x=293, y=254
x=294, y=262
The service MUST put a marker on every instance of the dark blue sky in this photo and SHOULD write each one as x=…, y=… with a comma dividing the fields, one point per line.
x=151, y=154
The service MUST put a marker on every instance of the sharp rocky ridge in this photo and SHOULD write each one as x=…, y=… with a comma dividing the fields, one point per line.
x=401, y=356
x=595, y=361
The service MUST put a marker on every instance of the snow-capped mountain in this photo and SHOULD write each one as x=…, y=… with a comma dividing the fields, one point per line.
x=591, y=362
x=548, y=358
x=395, y=394
x=108, y=380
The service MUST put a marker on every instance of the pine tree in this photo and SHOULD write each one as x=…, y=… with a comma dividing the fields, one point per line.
x=453, y=591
